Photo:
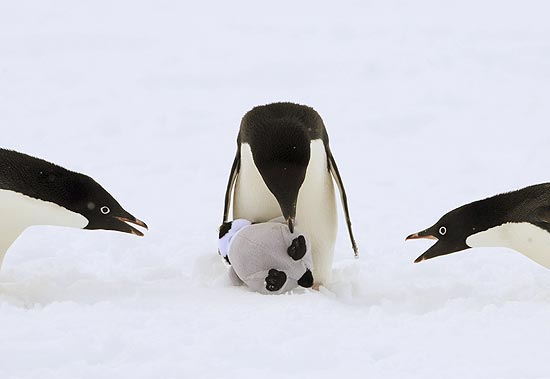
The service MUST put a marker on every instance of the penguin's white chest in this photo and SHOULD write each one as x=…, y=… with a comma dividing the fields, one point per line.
x=526, y=238
x=316, y=206
x=18, y=212
x=23, y=211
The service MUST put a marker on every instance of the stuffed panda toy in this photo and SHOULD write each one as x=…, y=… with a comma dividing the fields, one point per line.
x=266, y=256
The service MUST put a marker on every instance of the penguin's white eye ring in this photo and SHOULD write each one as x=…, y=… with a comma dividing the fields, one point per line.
x=443, y=230
x=105, y=210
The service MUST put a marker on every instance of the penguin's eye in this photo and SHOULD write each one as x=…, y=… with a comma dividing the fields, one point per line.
x=443, y=230
x=105, y=210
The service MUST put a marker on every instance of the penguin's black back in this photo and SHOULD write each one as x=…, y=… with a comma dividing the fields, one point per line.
x=530, y=204
x=43, y=180
x=294, y=118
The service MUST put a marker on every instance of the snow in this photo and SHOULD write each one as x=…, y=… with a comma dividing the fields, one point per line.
x=429, y=105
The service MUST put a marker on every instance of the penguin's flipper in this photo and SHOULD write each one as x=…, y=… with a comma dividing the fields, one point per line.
x=336, y=175
x=231, y=183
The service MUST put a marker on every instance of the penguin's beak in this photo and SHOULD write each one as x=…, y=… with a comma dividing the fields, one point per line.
x=123, y=225
x=119, y=223
x=421, y=235
x=441, y=247
x=289, y=213
x=425, y=234
x=430, y=253
x=290, y=222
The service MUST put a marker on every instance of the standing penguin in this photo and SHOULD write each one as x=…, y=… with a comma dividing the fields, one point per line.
x=36, y=192
x=284, y=166
x=518, y=220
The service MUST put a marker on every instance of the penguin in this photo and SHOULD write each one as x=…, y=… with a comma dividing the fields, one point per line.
x=519, y=220
x=284, y=166
x=36, y=192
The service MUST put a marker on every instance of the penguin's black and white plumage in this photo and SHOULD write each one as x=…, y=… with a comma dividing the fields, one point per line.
x=284, y=166
x=36, y=192
x=518, y=220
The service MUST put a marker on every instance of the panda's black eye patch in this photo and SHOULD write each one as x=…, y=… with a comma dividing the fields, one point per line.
x=297, y=249
x=275, y=280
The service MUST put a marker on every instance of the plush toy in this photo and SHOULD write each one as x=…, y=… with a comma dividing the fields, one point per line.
x=266, y=256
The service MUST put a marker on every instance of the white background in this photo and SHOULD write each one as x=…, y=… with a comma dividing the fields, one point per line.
x=428, y=106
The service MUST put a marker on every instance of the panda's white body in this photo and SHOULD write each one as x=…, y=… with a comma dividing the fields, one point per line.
x=254, y=250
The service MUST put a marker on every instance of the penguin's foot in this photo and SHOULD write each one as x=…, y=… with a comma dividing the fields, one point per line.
x=316, y=286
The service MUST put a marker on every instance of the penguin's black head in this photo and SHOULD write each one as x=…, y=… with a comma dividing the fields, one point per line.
x=78, y=193
x=81, y=194
x=281, y=152
x=101, y=209
x=451, y=231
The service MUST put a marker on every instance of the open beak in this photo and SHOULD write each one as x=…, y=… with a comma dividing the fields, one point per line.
x=130, y=229
x=420, y=235
x=441, y=247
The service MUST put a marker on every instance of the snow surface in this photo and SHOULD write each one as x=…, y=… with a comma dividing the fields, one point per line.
x=428, y=104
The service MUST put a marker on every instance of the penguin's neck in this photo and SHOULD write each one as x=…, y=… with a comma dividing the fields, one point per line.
x=18, y=212
x=523, y=237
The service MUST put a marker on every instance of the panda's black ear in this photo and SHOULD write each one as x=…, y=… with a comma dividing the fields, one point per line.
x=225, y=228
x=298, y=248
x=306, y=280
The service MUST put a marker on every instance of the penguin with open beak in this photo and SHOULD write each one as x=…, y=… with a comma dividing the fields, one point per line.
x=36, y=192
x=284, y=166
x=519, y=220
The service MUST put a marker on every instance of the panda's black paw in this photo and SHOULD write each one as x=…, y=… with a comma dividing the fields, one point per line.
x=275, y=280
x=297, y=249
